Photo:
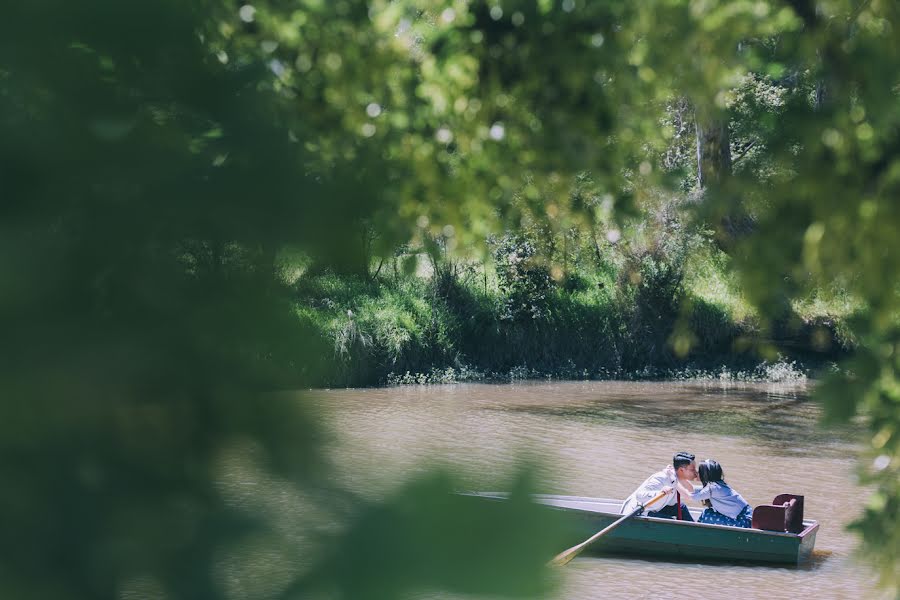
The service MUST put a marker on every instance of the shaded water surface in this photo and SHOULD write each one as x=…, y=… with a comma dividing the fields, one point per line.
x=602, y=439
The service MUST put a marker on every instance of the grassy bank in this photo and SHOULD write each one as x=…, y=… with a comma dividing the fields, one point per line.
x=465, y=324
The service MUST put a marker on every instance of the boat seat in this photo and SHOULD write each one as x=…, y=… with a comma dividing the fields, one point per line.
x=784, y=514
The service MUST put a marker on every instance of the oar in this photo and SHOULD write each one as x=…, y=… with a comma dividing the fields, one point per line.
x=566, y=555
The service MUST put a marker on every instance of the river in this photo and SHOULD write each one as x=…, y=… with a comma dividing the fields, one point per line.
x=602, y=439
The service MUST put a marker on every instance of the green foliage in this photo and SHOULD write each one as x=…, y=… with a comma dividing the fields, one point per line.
x=149, y=185
x=524, y=282
x=710, y=277
x=498, y=548
x=156, y=158
x=455, y=325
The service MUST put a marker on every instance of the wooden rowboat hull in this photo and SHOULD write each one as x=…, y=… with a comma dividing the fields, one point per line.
x=668, y=538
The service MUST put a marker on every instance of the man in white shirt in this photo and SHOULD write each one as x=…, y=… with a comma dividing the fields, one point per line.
x=683, y=468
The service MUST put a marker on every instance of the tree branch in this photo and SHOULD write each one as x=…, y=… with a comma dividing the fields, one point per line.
x=744, y=152
x=378, y=270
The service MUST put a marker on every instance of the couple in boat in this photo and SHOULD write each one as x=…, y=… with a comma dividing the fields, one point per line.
x=724, y=506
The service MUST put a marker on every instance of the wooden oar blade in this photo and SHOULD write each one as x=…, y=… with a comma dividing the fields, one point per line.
x=563, y=558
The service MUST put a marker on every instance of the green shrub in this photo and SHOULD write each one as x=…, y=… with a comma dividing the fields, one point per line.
x=616, y=314
x=524, y=281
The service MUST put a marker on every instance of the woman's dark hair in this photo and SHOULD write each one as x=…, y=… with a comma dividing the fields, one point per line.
x=710, y=471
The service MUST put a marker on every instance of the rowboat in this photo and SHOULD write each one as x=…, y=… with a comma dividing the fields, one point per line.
x=669, y=538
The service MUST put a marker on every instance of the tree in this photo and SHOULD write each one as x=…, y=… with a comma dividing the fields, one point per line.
x=156, y=158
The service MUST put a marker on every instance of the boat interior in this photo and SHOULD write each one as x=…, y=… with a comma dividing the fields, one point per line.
x=784, y=516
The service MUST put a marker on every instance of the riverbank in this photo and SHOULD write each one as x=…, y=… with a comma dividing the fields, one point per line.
x=416, y=330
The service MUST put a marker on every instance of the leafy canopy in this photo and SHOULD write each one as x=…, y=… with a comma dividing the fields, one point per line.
x=155, y=159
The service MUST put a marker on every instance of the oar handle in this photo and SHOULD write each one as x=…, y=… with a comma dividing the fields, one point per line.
x=566, y=555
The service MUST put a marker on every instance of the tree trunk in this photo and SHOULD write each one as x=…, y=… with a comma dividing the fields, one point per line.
x=714, y=167
x=713, y=151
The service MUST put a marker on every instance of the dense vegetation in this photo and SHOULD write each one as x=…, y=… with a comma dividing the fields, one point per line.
x=602, y=311
x=196, y=193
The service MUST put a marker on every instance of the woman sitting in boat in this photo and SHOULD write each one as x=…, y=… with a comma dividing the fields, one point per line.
x=724, y=505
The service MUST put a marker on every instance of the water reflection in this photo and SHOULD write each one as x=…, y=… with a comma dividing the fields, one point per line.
x=782, y=416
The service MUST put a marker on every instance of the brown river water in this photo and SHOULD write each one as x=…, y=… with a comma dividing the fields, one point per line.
x=602, y=439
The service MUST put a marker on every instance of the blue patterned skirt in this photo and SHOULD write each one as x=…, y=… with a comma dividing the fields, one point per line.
x=714, y=517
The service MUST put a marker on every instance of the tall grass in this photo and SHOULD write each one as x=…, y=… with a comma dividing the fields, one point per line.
x=593, y=324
